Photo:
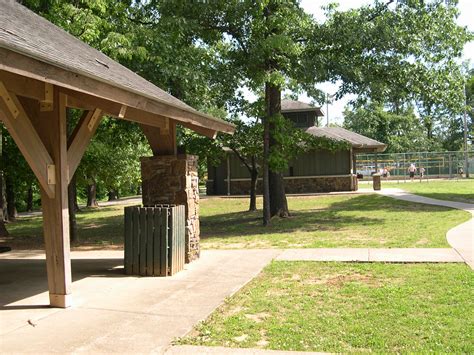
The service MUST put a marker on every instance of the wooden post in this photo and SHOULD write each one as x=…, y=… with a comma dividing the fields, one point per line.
x=162, y=140
x=51, y=127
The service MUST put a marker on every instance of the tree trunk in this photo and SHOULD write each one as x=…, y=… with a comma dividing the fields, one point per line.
x=266, y=153
x=29, y=198
x=113, y=195
x=92, y=195
x=253, y=187
x=72, y=204
x=11, y=205
x=278, y=202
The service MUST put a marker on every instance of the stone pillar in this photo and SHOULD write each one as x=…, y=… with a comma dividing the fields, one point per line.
x=173, y=179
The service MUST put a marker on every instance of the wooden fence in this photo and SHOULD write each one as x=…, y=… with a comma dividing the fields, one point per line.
x=154, y=240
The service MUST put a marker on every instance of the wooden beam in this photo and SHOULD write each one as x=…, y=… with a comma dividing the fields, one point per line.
x=32, y=68
x=80, y=138
x=26, y=138
x=51, y=127
x=161, y=142
x=110, y=108
x=23, y=86
x=211, y=133
x=32, y=88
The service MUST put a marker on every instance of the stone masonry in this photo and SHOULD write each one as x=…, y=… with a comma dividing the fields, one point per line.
x=173, y=179
x=296, y=185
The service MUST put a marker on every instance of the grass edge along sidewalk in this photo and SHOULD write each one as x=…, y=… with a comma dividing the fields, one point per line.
x=448, y=190
x=347, y=307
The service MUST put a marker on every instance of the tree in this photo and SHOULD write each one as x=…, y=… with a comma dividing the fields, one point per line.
x=380, y=52
x=246, y=144
x=262, y=42
x=402, y=132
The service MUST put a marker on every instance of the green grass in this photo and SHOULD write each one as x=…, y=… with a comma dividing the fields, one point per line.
x=328, y=221
x=450, y=190
x=97, y=227
x=348, y=307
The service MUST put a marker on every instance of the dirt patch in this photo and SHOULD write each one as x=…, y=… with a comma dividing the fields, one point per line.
x=258, y=317
x=232, y=311
x=241, y=338
x=263, y=342
x=422, y=241
x=339, y=280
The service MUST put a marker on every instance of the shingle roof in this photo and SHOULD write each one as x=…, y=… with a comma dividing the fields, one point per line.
x=26, y=33
x=358, y=141
x=298, y=106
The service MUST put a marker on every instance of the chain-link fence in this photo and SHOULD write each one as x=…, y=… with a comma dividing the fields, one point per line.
x=431, y=164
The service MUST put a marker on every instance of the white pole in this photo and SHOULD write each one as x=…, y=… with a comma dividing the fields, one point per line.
x=327, y=110
x=466, y=159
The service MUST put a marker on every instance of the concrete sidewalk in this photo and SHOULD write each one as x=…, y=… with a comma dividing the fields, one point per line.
x=389, y=255
x=113, y=312
x=461, y=237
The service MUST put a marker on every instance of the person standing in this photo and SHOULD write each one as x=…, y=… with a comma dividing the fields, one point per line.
x=412, y=171
x=422, y=172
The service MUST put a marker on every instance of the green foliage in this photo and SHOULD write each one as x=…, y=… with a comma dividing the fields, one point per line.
x=401, y=132
x=112, y=159
x=17, y=170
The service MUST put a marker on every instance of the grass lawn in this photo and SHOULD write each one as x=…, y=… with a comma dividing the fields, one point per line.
x=97, y=227
x=328, y=221
x=348, y=307
x=451, y=190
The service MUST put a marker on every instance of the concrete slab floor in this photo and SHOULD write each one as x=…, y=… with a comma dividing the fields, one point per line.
x=113, y=312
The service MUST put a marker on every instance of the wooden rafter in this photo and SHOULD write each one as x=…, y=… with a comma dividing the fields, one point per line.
x=26, y=138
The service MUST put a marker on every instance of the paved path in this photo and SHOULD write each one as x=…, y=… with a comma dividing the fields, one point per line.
x=113, y=312
x=461, y=237
x=391, y=255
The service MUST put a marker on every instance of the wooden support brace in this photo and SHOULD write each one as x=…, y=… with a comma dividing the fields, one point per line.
x=8, y=100
x=123, y=109
x=80, y=138
x=47, y=103
x=26, y=138
x=162, y=141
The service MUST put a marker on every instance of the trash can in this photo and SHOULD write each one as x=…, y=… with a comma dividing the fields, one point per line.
x=377, y=182
x=154, y=240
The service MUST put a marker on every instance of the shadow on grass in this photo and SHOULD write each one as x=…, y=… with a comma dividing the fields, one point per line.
x=328, y=218
x=96, y=227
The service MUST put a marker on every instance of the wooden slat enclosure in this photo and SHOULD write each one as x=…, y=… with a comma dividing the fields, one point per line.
x=154, y=240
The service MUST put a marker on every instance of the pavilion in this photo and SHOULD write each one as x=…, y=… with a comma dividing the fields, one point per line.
x=43, y=71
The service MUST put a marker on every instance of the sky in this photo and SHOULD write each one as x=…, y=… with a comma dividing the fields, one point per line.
x=466, y=18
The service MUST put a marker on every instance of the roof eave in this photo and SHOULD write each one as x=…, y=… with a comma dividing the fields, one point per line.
x=27, y=66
